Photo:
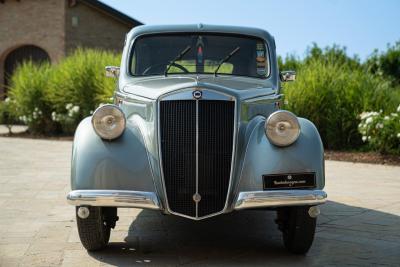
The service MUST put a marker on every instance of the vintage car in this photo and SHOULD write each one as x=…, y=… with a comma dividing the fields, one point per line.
x=196, y=130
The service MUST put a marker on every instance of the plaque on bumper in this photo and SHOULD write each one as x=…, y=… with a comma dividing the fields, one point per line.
x=289, y=181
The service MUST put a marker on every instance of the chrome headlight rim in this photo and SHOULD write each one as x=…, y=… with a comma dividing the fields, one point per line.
x=120, y=113
x=291, y=117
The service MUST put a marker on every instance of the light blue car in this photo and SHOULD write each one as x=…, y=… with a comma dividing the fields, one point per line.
x=196, y=130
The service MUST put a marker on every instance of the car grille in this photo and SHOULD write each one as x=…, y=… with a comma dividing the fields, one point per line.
x=196, y=149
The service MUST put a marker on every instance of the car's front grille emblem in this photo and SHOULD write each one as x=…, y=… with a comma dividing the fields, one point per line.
x=197, y=94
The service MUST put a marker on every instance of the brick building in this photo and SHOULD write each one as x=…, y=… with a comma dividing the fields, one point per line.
x=47, y=30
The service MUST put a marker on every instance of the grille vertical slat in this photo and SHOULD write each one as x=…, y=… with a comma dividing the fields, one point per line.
x=178, y=146
x=215, y=154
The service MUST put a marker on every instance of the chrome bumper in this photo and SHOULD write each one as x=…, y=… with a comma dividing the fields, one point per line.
x=114, y=198
x=279, y=198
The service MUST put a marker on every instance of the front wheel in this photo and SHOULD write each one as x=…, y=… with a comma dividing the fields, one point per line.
x=298, y=228
x=94, y=231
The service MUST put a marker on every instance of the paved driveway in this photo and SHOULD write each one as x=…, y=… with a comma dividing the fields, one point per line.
x=359, y=226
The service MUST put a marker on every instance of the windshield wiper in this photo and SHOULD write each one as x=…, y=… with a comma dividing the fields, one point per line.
x=226, y=59
x=178, y=57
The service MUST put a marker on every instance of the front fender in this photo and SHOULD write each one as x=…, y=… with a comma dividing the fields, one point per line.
x=262, y=157
x=120, y=164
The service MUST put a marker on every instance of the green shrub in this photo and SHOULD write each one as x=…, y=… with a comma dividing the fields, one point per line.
x=333, y=95
x=54, y=99
x=7, y=113
x=79, y=85
x=381, y=132
x=28, y=92
x=386, y=64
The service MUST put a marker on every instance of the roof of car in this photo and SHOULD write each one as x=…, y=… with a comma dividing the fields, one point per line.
x=205, y=28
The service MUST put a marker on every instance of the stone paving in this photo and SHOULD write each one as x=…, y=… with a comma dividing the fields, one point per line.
x=359, y=226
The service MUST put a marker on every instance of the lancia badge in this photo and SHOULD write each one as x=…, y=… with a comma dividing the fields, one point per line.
x=197, y=94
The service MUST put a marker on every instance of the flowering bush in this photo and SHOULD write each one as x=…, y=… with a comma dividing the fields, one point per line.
x=53, y=99
x=28, y=95
x=381, y=132
x=332, y=96
x=69, y=119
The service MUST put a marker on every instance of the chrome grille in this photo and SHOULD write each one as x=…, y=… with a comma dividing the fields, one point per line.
x=196, y=149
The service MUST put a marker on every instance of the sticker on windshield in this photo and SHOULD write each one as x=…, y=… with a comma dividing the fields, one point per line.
x=261, y=71
x=260, y=59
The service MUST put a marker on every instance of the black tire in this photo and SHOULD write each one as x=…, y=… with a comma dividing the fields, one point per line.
x=94, y=231
x=297, y=227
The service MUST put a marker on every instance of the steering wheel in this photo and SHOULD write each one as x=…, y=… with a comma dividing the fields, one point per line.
x=158, y=66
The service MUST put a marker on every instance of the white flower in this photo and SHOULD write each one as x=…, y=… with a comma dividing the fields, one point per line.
x=394, y=114
x=366, y=115
x=369, y=138
x=386, y=118
x=91, y=112
x=398, y=108
x=398, y=135
x=68, y=106
x=7, y=100
x=75, y=109
x=369, y=120
x=54, y=116
x=364, y=138
x=379, y=126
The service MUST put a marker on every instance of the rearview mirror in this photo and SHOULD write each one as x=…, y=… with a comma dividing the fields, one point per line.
x=112, y=71
x=288, y=76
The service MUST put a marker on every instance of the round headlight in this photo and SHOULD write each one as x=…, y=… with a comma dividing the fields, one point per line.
x=282, y=128
x=108, y=122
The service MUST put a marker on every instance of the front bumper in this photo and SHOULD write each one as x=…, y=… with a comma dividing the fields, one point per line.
x=114, y=198
x=149, y=200
x=279, y=198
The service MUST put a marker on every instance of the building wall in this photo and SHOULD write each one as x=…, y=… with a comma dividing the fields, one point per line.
x=32, y=22
x=87, y=26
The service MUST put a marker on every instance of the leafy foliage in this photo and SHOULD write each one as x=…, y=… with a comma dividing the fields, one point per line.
x=381, y=132
x=53, y=99
x=332, y=89
x=386, y=64
x=7, y=114
x=28, y=92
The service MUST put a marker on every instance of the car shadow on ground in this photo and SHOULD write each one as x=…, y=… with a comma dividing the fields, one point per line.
x=250, y=238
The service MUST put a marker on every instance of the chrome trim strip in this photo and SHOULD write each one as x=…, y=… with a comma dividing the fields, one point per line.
x=114, y=198
x=187, y=94
x=278, y=198
x=197, y=156
x=235, y=132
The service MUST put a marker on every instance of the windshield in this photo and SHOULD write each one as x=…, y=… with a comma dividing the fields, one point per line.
x=169, y=54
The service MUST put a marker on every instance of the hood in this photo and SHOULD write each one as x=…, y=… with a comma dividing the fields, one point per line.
x=241, y=87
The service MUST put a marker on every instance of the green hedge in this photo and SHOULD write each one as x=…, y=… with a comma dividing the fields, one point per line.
x=333, y=95
x=53, y=99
